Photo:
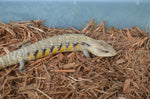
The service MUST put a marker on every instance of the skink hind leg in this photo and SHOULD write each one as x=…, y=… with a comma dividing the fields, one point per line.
x=86, y=53
x=21, y=66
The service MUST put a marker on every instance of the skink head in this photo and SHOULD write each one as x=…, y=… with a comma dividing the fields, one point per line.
x=101, y=48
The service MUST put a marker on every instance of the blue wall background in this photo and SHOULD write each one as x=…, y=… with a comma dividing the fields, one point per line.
x=66, y=13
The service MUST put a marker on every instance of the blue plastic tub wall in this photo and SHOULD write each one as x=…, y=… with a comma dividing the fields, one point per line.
x=64, y=14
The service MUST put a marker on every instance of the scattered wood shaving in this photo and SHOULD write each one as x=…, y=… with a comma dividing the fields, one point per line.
x=71, y=75
x=126, y=85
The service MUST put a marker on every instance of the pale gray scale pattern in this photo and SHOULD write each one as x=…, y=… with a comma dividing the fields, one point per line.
x=2, y=64
x=22, y=54
x=66, y=39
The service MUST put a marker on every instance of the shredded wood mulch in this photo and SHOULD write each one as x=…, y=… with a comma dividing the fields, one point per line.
x=71, y=74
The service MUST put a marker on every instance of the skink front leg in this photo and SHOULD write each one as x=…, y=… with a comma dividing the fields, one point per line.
x=86, y=53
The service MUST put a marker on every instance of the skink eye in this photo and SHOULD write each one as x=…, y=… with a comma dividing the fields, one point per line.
x=106, y=51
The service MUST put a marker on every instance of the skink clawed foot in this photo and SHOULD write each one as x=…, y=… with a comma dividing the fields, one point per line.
x=21, y=70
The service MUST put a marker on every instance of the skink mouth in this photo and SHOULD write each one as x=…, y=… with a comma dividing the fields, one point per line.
x=113, y=53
